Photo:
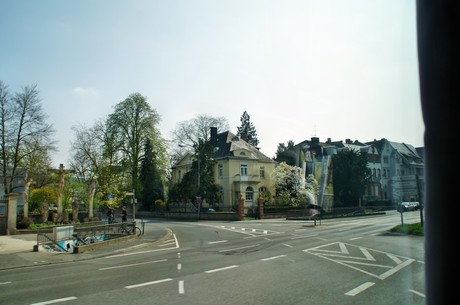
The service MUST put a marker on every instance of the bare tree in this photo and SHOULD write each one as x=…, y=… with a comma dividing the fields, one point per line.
x=188, y=133
x=36, y=162
x=24, y=131
x=87, y=158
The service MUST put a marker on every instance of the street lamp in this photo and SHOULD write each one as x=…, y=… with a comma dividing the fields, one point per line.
x=199, y=198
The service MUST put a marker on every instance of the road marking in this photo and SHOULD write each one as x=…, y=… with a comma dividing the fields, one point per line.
x=56, y=301
x=148, y=283
x=217, y=242
x=368, y=261
x=417, y=293
x=131, y=265
x=139, y=252
x=303, y=236
x=240, y=248
x=179, y=267
x=4, y=283
x=273, y=257
x=359, y=289
x=289, y=246
x=221, y=269
x=181, y=287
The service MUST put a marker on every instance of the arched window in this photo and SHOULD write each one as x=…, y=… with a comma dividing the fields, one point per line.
x=249, y=194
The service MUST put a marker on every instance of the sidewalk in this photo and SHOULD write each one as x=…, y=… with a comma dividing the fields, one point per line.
x=16, y=251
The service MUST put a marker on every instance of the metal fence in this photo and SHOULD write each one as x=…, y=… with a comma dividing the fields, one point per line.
x=64, y=238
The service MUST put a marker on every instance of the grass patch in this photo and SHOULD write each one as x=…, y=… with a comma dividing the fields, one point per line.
x=411, y=228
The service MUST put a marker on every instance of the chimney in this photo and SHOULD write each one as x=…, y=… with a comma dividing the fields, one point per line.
x=314, y=139
x=213, y=140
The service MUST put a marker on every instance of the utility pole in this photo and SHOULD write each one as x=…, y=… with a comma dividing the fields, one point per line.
x=134, y=205
x=420, y=199
x=199, y=201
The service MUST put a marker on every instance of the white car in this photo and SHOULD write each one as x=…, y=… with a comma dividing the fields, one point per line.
x=408, y=206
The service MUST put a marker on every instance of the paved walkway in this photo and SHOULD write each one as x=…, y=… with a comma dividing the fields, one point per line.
x=16, y=251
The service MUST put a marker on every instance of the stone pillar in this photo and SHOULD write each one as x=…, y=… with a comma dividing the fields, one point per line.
x=12, y=213
x=260, y=202
x=241, y=207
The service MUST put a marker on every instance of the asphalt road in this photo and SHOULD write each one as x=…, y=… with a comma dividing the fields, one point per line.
x=342, y=261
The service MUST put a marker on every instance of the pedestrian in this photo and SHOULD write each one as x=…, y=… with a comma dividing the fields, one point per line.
x=124, y=215
x=110, y=216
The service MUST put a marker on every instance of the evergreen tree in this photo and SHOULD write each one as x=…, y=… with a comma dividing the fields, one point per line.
x=152, y=186
x=247, y=131
x=204, y=165
x=350, y=176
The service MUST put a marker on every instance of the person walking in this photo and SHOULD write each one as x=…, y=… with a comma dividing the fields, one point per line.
x=110, y=216
x=124, y=215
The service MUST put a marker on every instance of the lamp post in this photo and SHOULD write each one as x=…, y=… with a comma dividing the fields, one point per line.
x=199, y=198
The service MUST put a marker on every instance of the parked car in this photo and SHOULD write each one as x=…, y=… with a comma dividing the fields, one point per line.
x=408, y=206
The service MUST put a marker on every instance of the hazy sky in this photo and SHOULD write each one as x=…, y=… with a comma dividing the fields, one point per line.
x=329, y=68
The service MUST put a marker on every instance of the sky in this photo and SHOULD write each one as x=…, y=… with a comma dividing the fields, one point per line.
x=339, y=69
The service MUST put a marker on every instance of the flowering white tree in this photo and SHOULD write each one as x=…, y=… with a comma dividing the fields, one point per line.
x=289, y=182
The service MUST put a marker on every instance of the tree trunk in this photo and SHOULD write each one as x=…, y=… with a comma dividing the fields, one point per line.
x=91, y=192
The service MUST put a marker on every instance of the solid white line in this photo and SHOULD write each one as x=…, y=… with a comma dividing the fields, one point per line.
x=417, y=293
x=221, y=269
x=289, y=246
x=148, y=283
x=56, y=301
x=4, y=283
x=252, y=246
x=181, y=287
x=140, y=252
x=303, y=236
x=217, y=242
x=359, y=289
x=131, y=265
x=273, y=257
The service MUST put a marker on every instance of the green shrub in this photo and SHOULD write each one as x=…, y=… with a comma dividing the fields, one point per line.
x=412, y=228
x=159, y=205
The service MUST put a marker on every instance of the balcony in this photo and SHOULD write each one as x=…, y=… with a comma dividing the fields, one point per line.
x=247, y=178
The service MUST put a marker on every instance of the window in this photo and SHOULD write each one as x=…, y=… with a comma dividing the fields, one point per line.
x=249, y=194
x=243, y=169
x=262, y=172
x=220, y=170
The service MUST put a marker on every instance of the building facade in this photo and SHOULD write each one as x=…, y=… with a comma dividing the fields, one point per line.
x=240, y=170
x=397, y=168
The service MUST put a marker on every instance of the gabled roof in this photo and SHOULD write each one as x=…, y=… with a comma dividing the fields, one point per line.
x=228, y=145
x=407, y=151
x=185, y=160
